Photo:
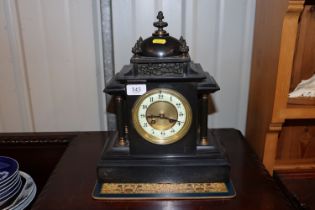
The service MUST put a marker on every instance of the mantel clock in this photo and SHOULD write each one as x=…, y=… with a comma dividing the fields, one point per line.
x=161, y=102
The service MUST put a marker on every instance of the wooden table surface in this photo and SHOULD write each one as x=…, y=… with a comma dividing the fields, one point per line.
x=299, y=187
x=72, y=182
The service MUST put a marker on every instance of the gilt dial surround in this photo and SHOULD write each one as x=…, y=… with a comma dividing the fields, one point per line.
x=162, y=116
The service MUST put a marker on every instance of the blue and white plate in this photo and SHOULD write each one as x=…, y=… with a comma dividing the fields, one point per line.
x=11, y=193
x=8, y=168
x=7, y=188
x=9, y=180
x=25, y=196
x=9, y=183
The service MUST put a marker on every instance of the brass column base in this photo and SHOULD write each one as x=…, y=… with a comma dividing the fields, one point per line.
x=122, y=142
x=204, y=141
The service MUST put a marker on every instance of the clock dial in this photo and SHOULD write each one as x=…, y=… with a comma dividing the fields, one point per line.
x=162, y=116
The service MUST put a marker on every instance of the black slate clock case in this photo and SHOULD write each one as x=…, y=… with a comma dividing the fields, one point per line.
x=198, y=156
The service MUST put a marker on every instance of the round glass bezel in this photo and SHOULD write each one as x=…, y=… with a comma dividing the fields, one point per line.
x=162, y=140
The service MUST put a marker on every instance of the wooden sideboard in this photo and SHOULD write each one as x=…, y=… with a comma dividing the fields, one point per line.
x=37, y=153
x=71, y=183
x=282, y=130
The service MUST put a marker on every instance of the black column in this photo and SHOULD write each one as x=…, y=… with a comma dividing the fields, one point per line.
x=204, y=120
x=120, y=121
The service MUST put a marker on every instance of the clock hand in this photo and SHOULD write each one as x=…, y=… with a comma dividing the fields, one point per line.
x=153, y=116
x=152, y=120
x=162, y=116
x=173, y=120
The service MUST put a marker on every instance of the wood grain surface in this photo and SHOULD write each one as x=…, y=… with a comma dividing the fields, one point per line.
x=283, y=55
x=72, y=182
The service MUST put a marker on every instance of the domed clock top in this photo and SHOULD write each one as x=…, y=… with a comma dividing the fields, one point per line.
x=161, y=44
x=162, y=57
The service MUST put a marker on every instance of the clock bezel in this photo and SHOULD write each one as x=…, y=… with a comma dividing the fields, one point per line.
x=170, y=139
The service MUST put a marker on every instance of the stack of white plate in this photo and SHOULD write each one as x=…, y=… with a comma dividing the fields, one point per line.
x=17, y=189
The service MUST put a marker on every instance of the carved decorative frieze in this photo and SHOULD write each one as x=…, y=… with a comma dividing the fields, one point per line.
x=157, y=69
